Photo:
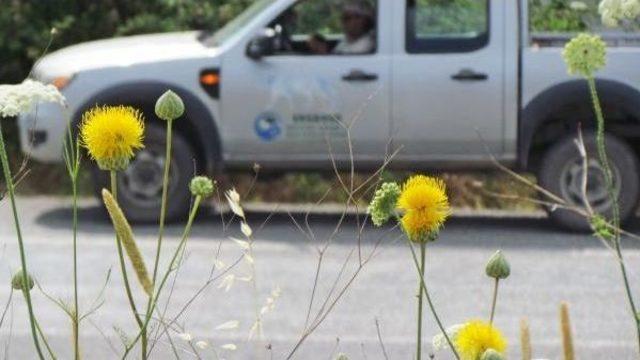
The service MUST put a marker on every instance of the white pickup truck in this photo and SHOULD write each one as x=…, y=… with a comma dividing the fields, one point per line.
x=443, y=81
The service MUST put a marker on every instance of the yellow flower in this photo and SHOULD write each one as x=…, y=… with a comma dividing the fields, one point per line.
x=425, y=205
x=111, y=134
x=476, y=337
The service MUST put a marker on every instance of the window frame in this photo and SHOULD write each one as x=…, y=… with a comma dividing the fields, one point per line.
x=376, y=33
x=415, y=45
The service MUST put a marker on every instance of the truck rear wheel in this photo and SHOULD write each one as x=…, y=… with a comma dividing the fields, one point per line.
x=140, y=185
x=561, y=172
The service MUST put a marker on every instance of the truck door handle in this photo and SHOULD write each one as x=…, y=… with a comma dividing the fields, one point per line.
x=360, y=75
x=469, y=75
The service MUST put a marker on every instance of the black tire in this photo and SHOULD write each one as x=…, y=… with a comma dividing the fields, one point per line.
x=561, y=168
x=140, y=186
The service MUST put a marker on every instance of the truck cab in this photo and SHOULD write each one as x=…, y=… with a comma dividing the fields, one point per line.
x=440, y=84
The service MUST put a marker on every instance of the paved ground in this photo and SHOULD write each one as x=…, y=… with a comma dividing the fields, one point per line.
x=548, y=267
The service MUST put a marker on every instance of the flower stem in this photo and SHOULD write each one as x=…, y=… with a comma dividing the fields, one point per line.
x=604, y=161
x=163, y=214
x=123, y=267
x=23, y=258
x=430, y=303
x=45, y=342
x=494, y=301
x=165, y=277
x=419, y=339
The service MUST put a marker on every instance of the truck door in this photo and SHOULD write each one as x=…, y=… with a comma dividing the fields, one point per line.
x=296, y=102
x=448, y=79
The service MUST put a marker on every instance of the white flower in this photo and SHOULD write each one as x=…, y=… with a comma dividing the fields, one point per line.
x=229, y=325
x=202, y=344
x=439, y=342
x=613, y=11
x=16, y=99
x=186, y=337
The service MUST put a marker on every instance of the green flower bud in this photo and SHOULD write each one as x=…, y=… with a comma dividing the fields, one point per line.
x=169, y=106
x=498, y=266
x=601, y=228
x=491, y=354
x=17, y=281
x=585, y=54
x=384, y=203
x=201, y=186
x=342, y=356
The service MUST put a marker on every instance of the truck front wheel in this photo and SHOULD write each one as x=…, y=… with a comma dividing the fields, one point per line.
x=140, y=185
x=562, y=172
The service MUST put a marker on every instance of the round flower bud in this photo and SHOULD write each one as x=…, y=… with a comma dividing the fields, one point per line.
x=384, y=203
x=585, y=54
x=498, y=266
x=201, y=186
x=18, y=280
x=491, y=354
x=342, y=356
x=169, y=106
x=601, y=228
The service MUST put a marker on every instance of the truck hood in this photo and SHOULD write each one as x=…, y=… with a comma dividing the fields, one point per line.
x=123, y=51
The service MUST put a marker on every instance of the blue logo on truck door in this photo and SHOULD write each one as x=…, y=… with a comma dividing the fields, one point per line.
x=267, y=126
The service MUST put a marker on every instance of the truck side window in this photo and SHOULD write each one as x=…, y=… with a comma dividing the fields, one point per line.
x=446, y=26
x=320, y=27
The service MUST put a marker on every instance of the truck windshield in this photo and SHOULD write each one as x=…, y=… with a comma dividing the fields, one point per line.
x=224, y=33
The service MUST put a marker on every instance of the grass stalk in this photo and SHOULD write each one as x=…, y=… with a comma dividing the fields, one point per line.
x=72, y=161
x=123, y=267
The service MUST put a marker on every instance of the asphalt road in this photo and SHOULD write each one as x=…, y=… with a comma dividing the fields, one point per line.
x=548, y=266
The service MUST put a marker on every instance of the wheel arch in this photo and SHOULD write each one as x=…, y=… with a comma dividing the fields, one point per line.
x=559, y=109
x=197, y=123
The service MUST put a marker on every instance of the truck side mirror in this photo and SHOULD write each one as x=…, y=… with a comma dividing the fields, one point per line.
x=261, y=45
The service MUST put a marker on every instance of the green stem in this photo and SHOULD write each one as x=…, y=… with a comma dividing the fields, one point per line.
x=44, y=341
x=165, y=277
x=430, y=302
x=23, y=259
x=494, y=301
x=163, y=214
x=604, y=161
x=123, y=267
x=76, y=320
x=422, y=267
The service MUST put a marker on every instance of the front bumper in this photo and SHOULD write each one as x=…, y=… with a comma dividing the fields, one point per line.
x=42, y=132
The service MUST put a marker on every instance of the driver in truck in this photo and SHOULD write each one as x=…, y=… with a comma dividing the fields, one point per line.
x=358, y=23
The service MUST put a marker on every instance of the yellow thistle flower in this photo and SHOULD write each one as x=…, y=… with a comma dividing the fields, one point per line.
x=476, y=337
x=111, y=134
x=425, y=206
